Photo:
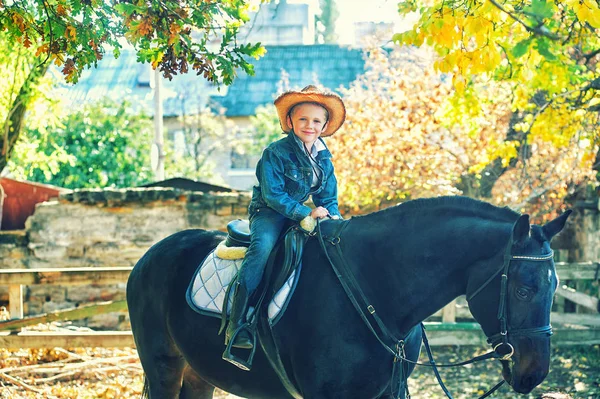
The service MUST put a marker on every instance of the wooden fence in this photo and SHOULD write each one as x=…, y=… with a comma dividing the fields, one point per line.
x=570, y=328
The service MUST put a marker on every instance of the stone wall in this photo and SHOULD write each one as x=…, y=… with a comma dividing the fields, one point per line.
x=106, y=228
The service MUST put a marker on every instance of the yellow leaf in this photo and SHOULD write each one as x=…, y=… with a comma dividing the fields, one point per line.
x=70, y=33
x=156, y=59
x=58, y=59
x=594, y=101
x=458, y=81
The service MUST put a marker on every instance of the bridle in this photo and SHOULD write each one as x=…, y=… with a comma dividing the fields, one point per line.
x=502, y=349
x=499, y=341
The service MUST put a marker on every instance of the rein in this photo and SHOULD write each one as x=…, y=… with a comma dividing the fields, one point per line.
x=374, y=323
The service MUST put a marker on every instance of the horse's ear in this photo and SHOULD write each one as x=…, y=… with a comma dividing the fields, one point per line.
x=521, y=230
x=554, y=227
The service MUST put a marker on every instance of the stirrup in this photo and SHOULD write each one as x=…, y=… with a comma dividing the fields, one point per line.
x=235, y=360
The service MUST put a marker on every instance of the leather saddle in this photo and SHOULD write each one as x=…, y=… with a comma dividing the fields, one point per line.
x=278, y=270
x=238, y=233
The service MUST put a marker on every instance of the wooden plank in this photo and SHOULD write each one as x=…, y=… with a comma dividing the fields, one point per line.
x=577, y=271
x=15, y=301
x=579, y=298
x=470, y=336
x=465, y=334
x=30, y=339
x=65, y=276
x=68, y=314
x=113, y=275
x=576, y=337
x=589, y=320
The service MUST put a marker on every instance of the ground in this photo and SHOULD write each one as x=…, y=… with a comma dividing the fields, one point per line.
x=116, y=374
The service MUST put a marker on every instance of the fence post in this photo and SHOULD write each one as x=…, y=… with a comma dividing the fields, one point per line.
x=15, y=301
x=449, y=313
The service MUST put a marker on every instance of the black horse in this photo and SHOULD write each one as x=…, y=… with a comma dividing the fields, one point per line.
x=409, y=261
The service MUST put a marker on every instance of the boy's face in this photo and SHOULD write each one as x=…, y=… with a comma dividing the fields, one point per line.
x=308, y=122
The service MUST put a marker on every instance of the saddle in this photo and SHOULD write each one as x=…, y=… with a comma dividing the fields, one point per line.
x=238, y=239
x=238, y=233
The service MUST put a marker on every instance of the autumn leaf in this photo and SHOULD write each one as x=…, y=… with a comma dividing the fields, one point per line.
x=27, y=42
x=42, y=49
x=70, y=32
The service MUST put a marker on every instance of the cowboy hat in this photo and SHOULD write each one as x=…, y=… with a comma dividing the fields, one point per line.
x=311, y=94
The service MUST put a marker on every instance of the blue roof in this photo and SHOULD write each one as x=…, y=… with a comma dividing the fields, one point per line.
x=328, y=65
x=126, y=79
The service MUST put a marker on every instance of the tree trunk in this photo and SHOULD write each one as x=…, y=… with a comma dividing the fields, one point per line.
x=14, y=121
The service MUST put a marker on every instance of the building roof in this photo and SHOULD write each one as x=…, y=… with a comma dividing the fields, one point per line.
x=126, y=79
x=120, y=79
x=188, y=184
x=328, y=65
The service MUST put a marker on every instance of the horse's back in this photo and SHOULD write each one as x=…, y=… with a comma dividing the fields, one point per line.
x=170, y=260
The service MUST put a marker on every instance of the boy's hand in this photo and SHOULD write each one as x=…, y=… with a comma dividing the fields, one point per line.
x=319, y=213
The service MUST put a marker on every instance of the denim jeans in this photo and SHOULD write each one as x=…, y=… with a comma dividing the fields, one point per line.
x=265, y=227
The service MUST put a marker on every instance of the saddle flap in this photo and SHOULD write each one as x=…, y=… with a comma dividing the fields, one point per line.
x=238, y=233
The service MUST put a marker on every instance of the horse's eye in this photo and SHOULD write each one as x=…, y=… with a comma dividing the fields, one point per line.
x=523, y=293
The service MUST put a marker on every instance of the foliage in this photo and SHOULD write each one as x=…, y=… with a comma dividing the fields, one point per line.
x=173, y=36
x=204, y=134
x=546, y=55
x=400, y=124
x=326, y=21
x=22, y=85
x=102, y=144
x=391, y=112
x=115, y=373
x=266, y=127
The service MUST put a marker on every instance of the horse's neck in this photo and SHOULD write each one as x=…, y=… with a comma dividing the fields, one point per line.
x=412, y=273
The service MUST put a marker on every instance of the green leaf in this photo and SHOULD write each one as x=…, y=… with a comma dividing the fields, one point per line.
x=129, y=9
x=521, y=48
x=541, y=8
x=543, y=47
x=405, y=7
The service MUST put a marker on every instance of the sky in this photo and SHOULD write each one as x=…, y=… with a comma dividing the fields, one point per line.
x=352, y=11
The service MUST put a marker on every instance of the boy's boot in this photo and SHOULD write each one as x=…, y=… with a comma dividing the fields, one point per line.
x=235, y=329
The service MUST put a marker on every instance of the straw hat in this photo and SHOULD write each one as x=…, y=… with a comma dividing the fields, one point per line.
x=311, y=94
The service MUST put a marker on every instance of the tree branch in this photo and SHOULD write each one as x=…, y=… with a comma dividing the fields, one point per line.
x=14, y=121
x=538, y=30
x=592, y=54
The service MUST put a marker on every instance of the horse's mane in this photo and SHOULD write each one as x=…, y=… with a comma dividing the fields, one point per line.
x=464, y=205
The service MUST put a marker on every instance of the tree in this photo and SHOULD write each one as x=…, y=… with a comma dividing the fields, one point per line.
x=389, y=148
x=403, y=140
x=266, y=128
x=174, y=36
x=21, y=84
x=205, y=135
x=103, y=144
x=545, y=54
x=325, y=22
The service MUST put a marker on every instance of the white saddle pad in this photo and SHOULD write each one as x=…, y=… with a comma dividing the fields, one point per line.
x=206, y=292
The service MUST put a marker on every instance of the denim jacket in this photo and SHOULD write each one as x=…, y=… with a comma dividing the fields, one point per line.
x=285, y=176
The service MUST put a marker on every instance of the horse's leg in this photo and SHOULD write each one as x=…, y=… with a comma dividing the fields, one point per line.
x=195, y=387
x=164, y=372
x=160, y=358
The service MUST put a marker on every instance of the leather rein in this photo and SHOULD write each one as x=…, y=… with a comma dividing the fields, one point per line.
x=502, y=349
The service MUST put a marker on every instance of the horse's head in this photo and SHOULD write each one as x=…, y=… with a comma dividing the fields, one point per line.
x=511, y=299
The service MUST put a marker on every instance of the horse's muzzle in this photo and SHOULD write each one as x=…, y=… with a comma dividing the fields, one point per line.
x=523, y=374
